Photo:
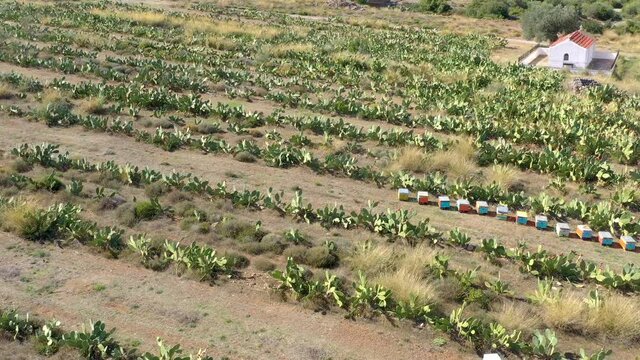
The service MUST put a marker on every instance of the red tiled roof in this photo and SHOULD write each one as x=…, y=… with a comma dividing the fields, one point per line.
x=578, y=37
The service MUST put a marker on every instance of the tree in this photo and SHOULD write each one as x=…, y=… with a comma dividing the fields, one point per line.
x=488, y=9
x=544, y=21
x=599, y=10
x=436, y=6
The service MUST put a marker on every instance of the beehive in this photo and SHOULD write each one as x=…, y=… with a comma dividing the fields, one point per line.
x=522, y=217
x=605, y=238
x=463, y=205
x=403, y=194
x=482, y=208
x=584, y=232
x=423, y=197
x=541, y=222
x=444, y=202
x=563, y=229
x=627, y=242
x=502, y=212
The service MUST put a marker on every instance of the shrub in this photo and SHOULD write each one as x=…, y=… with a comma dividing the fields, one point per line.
x=592, y=26
x=240, y=231
x=245, y=157
x=298, y=253
x=236, y=260
x=148, y=210
x=5, y=92
x=262, y=264
x=126, y=215
x=632, y=8
x=543, y=21
x=155, y=190
x=491, y=9
x=599, y=10
x=435, y=6
x=321, y=257
x=209, y=128
x=93, y=106
x=21, y=166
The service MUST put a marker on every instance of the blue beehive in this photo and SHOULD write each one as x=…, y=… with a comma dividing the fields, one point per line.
x=541, y=222
x=522, y=217
x=584, y=232
x=627, y=243
x=605, y=238
x=443, y=202
x=502, y=212
x=482, y=208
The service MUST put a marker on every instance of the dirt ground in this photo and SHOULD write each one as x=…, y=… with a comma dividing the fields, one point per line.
x=240, y=318
x=317, y=189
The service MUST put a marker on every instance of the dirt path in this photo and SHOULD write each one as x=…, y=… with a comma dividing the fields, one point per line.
x=238, y=319
x=318, y=189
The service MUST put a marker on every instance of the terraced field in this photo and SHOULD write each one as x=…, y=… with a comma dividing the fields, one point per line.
x=224, y=175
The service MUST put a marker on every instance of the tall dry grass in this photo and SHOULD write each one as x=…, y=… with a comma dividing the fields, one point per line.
x=505, y=176
x=518, y=316
x=5, y=92
x=93, y=106
x=373, y=260
x=617, y=317
x=281, y=50
x=400, y=269
x=14, y=218
x=564, y=313
x=409, y=159
x=457, y=161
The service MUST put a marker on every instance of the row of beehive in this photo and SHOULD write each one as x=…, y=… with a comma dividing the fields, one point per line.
x=522, y=217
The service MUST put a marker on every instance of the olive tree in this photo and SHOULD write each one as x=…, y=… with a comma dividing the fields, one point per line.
x=544, y=21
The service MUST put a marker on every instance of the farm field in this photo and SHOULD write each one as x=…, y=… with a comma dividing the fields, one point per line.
x=224, y=176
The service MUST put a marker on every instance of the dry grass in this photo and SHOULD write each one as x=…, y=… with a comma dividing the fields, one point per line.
x=140, y=17
x=504, y=175
x=373, y=259
x=94, y=106
x=455, y=162
x=194, y=25
x=284, y=49
x=406, y=285
x=5, y=92
x=221, y=43
x=346, y=56
x=14, y=218
x=409, y=159
x=564, y=313
x=618, y=316
x=228, y=28
x=515, y=316
x=51, y=96
x=415, y=260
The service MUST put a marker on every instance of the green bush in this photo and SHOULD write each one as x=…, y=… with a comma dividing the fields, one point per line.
x=435, y=6
x=488, y=9
x=544, y=21
x=599, y=10
x=147, y=210
x=592, y=26
x=632, y=8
